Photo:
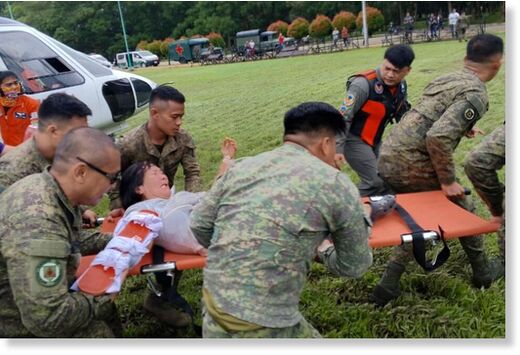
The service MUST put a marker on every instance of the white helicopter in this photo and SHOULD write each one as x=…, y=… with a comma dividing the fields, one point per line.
x=46, y=66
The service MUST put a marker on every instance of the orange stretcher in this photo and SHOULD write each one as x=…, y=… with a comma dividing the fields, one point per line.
x=439, y=218
x=434, y=212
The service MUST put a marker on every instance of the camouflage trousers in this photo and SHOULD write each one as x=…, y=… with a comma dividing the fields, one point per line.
x=98, y=329
x=109, y=327
x=211, y=329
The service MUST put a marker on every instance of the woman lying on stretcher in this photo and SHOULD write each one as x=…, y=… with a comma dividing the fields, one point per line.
x=144, y=186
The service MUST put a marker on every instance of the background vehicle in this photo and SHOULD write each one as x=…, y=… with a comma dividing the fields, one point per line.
x=265, y=42
x=212, y=54
x=102, y=60
x=187, y=50
x=46, y=66
x=137, y=58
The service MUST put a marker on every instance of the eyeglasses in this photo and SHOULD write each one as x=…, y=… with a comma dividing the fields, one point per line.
x=113, y=178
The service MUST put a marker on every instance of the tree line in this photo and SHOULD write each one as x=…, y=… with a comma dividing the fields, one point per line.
x=96, y=26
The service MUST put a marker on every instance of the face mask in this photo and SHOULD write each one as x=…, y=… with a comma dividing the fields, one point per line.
x=10, y=95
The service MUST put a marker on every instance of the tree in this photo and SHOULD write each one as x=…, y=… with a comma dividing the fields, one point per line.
x=344, y=19
x=299, y=28
x=165, y=45
x=375, y=20
x=216, y=39
x=320, y=27
x=279, y=26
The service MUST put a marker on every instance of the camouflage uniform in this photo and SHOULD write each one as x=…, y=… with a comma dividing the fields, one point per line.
x=481, y=166
x=41, y=243
x=21, y=162
x=179, y=149
x=262, y=222
x=418, y=154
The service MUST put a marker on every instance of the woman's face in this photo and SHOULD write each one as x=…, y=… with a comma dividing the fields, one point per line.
x=155, y=184
x=10, y=87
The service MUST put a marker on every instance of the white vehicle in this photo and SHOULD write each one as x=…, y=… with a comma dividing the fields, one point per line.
x=46, y=66
x=138, y=58
x=102, y=60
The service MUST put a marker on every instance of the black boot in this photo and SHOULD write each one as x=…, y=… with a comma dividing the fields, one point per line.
x=388, y=287
x=485, y=272
x=484, y=277
x=166, y=312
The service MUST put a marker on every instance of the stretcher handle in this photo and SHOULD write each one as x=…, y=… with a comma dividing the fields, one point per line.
x=427, y=235
x=151, y=268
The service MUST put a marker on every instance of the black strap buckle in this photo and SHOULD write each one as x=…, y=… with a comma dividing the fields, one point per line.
x=418, y=238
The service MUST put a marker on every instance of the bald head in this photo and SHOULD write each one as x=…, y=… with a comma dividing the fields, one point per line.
x=87, y=143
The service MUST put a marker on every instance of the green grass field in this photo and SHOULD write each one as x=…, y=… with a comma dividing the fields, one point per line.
x=247, y=101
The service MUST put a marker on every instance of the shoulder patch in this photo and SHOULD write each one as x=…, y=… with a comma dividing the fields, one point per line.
x=378, y=87
x=48, y=248
x=349, y=100
x=49, y=273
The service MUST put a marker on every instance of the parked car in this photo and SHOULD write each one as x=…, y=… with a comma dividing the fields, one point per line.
x=136, y=59
x=102, y=60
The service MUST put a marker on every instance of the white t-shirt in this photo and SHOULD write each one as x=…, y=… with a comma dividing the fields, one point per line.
x=453, y=18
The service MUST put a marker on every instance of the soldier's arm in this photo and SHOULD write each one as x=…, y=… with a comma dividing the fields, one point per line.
x=446, y=132
x=7, y=177
x=481, y=167
x=357, y=95
x=204, y=214
x=191, y=168
x=92, y=241
x=351, y=255
x=126, y=161
x=37, y=262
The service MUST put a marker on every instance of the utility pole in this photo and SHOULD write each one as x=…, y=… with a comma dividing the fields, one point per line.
x=10, y=11
x=129, y=58
x=365, y=27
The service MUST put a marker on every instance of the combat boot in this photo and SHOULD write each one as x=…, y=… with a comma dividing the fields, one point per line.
x=388, y=287
x=484, y=276
x=166, y=312
x=485, y=272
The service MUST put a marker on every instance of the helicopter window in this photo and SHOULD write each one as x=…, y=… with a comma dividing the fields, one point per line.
x=93, y=67
x=36, y=65
x=142, y=91
x=120, y=98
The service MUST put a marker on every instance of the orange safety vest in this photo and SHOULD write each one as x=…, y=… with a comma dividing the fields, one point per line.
x=15, y=120
x=381, y=107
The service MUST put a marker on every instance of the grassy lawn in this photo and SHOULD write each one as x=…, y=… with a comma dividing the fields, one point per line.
x=247, y=101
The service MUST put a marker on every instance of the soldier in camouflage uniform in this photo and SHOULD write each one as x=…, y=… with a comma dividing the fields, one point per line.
x=162, y=142
x=58, y=114
x=41, y=243
x=481, y=167
x=262, y=222
x=418, y=154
